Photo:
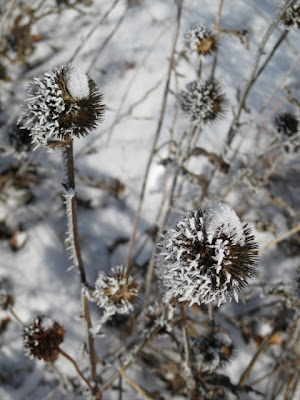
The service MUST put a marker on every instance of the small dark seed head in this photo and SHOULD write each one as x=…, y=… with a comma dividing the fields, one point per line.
x=42, y=337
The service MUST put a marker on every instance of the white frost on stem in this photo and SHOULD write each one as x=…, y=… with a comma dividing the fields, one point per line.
x=68, y=196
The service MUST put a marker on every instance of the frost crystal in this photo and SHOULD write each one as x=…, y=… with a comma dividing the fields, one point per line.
x=199, y=39
x=202, y=102
x=115, y=294
x=207, y=256
x=77, y=83
x=62, y=104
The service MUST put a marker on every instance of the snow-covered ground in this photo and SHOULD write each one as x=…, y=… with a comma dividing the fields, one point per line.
x=126, y=48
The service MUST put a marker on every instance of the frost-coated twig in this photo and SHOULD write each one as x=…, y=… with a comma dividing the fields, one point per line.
x=254, y=75
x=156, y=137
x=76, y=252
x=150, y=335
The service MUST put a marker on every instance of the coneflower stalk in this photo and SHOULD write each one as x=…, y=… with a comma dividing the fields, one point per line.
x=63, y=104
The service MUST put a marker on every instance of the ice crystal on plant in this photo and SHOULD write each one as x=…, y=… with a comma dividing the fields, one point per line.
x=62, y=104
x=42, y=337
x=202, y=102
x=207, y=256
x=115, y=293
x=199, y=39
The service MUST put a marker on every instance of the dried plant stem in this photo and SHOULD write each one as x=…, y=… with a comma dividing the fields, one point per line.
x=66, y=355
x=70, y=184
x=134, y=385
x=218, y=39
x=97, y=25
x=255, y=357
x=149, y=337
x=254, y=74
x=188, y=367
x=280, y=239
x=16, y=317
x=156, y=137
x=107, y=39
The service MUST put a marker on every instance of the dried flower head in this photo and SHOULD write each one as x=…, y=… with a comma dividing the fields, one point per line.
x=213, y=350
x=291, y=18
x=117, y=293
x=42, y=337
x=62, y=104
x=200, y=39
x=6, y=297
x=286, y=123
x=207, y=256
x=202, y=102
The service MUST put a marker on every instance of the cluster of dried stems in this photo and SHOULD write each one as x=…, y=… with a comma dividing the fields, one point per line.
x=176, y=364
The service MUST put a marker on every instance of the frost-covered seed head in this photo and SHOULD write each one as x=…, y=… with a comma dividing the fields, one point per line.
x=42, y=337
x=213, y=350
x=202, y=102
x=291, y=18
x=287, y=123
x=6, y=297
x=63, y=103
x=117, y=293
x=207, y=256
x=199, y=39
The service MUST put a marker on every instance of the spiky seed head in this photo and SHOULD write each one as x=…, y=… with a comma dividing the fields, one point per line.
x=203, y=102
x=287, y=123
x=213, y=350
x=6, y=294
x=207, y=256
x=291, y=17
x=64, y=103
x=200, y=39
x=116, y=293
x=42, y=337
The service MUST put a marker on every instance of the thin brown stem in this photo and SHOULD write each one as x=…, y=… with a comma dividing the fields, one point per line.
x=254, y=74
x=190, y=379
x=156, y=137
x=73, y=226
x=66, y=355
x=134, y=385
x=255, y=357
x=218, y=39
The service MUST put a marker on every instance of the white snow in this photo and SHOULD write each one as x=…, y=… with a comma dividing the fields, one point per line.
x=222, y=218
x=47, y=323
x=77, y=82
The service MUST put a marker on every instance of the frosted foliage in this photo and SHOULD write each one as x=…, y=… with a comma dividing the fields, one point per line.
x=207, y=257
x=77, y=82
x=223, y=218
x=44, y=107
x=109, y=291
x=291, y=17
x=195, y=35
x=200, y=101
